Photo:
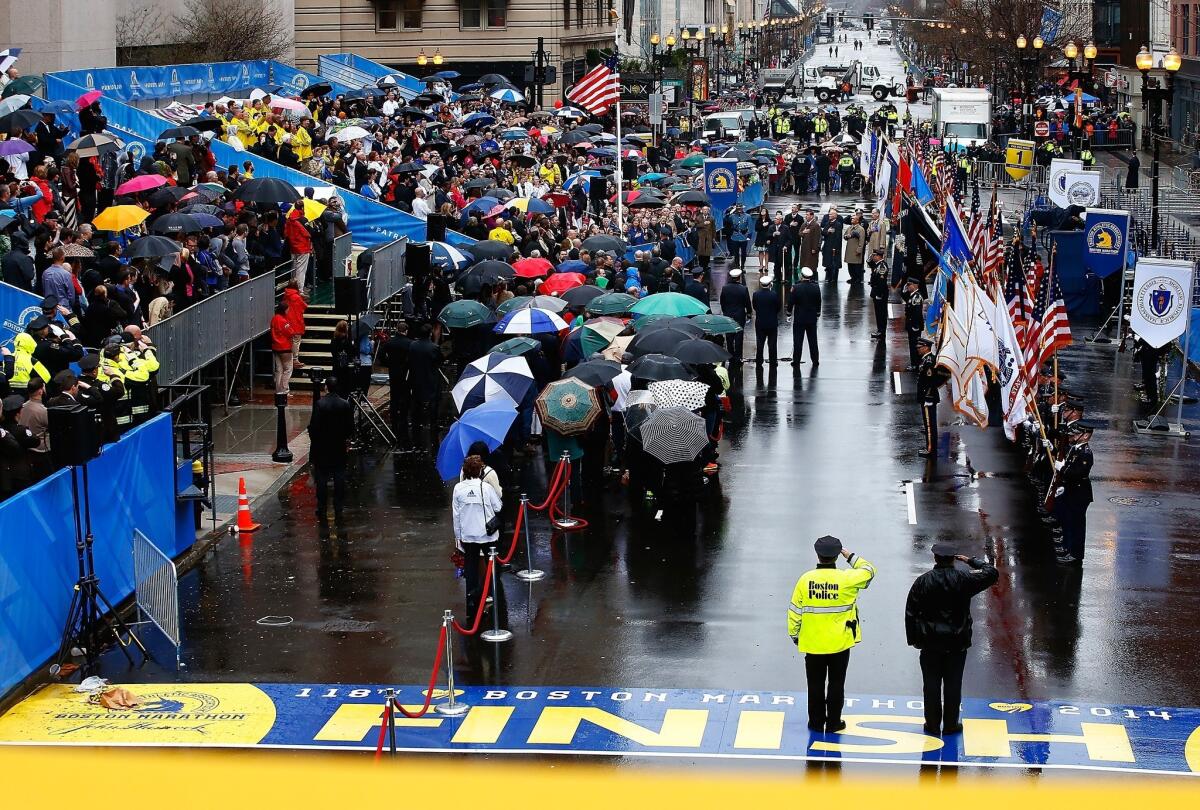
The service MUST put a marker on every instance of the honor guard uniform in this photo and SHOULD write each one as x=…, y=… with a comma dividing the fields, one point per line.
x=1073, y=492
x=914, y=319
x=823, y=623
x=18, y=441
x=100, y=397
x=930, y=378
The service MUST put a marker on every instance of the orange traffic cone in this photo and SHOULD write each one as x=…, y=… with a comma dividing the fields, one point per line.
x=245, y=523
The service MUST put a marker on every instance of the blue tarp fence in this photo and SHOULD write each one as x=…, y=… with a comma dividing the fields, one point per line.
x=17, y=308
x=1080, y=289
x=131, y=487
x=350, y=68
x=170, y=81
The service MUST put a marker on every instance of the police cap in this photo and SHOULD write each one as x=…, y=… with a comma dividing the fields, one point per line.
x=828, y=546
x=924, y=341
x=50, y=302
x=37, y=324
x=89, y=362
x=944, y=550
x=13, y=402
x=1081, y=427
x=112, y=340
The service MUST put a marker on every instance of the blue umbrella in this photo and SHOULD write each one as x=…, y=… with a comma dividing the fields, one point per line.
x=763, y=143
x=529, y=322
x=1088, y=98
x=651, y=177
x=445, y=74
x=534, y=206
x=488, y=423
x=467, y=88
x=479, y=119
x=514, y=134
x=580, y=177
x=447, y=255
x=507, y=95
x=207, y=220
x=481, y=205
x=573, y=266
x=603, y=152
x=59, y=108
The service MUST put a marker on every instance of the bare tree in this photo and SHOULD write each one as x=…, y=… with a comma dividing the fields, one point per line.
x=141, y=37
x=231, y=30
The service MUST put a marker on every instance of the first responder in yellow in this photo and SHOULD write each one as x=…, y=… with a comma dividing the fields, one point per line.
x=823, y=622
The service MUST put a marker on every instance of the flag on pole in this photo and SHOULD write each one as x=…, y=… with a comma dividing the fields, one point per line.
x=8, y=58
x=599, y=89
x=1048, y=328
x=1016, y=295
x=1010, y=371
x=955, y=244
x=967, y=389
x=921, y=186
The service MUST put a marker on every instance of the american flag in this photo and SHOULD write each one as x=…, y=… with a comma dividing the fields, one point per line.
x=1016, y=293
x=985, y=241
x=599, y=89
x=1048, y=329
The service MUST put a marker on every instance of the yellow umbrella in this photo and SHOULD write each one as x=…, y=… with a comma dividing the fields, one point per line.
x=312, y=209
x=120, y=217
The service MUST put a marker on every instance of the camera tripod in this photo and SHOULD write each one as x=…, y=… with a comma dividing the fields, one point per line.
x=87, y=625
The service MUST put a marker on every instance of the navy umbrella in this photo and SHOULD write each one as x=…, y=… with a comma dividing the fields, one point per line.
x=493, y=377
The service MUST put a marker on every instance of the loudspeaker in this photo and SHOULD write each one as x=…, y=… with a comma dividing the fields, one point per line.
x=74, y=437
x=416, y=260
x=435, y=228
x=350, y=295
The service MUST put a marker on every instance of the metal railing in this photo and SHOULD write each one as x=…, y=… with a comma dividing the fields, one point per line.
x=343, y=246
x=156, y=589
x=204, y=332
x=386, y=276
x=989, y=174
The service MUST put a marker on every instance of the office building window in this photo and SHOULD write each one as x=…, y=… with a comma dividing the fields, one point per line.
x=566, y=13
x=387, y=18
x=483, y=13
x=410, y=16
x=580, y=22
x=1185, y=39
x=599, y=12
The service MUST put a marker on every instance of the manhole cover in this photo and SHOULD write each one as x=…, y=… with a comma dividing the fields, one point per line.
x=1122, y=500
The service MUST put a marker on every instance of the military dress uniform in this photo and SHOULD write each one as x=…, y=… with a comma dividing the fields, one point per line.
x=1073, y=494
x=823, y=622
x=930, y=378
x=914, y=322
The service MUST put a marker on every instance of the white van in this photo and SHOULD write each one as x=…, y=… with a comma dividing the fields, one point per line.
x=730, y=123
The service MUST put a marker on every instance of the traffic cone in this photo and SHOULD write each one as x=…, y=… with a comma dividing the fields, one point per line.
x=245, y=523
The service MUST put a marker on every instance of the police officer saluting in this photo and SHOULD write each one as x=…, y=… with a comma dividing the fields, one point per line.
x=823, y=623
x=1073, y=492
x=937, y=621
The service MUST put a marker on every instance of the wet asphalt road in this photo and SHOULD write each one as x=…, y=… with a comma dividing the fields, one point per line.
x=627, y=602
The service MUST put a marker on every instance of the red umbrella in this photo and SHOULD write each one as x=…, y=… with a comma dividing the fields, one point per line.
x=87, y=99
x=143, y=182
x=561, y=282
x=533, y=267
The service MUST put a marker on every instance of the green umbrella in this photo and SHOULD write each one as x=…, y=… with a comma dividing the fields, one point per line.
x=766, y=152
x=464, y=314
x=644, y=321
x=513, y=303
x=515, y=347
x=744, y=145
x=669, y=303
x=597, y=334
x=24, y=86
x=717, y=324
x=568, y=407
x=692, y=161
x=610, y=304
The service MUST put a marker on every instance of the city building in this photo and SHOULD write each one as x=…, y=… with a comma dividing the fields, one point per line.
x=1185, y=36
x=60, y=34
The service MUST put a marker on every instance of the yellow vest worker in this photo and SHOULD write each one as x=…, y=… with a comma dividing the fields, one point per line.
x=823, y=621
x=1087, y=158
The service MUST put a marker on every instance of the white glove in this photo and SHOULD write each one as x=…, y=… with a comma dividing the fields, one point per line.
x=1046, y=443
x=1054, y=408
x=1058, y=465
x=1058, y=492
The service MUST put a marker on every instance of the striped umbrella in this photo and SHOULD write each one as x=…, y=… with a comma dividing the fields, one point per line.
x=507, y=95
x=530, y=321
x=569, y=407
x=490, y=378
x=447, y=255
x=679, y=394
x=674, y=435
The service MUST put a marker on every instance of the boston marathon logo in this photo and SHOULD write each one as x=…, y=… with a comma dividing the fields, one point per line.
x=722, y=179
x=1104, y=238
x=15, y=327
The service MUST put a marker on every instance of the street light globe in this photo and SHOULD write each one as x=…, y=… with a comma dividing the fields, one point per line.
x=422, y=59
x=1021, y=42
x=437, y=57
x=1172, y=60
x=1071, y=51
x=724, y=30
x=670, y=40
x=741, y=26
x=1144, y=59
x=685, y=35
x=655, y=39
x=962, y=30
x=1038, y=43
x=1089, y=51
x=700, y=34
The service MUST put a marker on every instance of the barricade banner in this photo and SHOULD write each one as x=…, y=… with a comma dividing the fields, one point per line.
x=137, y=83
x=17, y=308
x=720, y=184
x=1082, y=188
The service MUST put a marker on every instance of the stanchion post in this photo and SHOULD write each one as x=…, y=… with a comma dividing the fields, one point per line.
x=450, y=708
x=282, y=454
x=391, y=720
x=566, y=521
x=529, y=574
x=495, y=634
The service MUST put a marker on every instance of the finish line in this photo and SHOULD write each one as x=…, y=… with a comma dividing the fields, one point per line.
x=677, y=723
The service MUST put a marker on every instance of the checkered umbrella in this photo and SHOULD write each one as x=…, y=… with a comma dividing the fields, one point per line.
x=569, y=407
x=674, y=435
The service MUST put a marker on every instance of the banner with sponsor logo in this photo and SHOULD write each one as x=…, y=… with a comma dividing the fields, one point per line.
x=17, y=308
x=1057, y=179
x=1105, y=238
x=169, y=81
x=721, y=184
x=684, y=723
x=1162, y=291
x=1018, y=158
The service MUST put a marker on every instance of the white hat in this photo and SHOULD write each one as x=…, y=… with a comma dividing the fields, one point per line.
x=806, y=272
x=735, y=273
x=766, y=279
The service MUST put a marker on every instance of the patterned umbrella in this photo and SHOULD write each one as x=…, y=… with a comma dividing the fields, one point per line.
x=679, y=394
x=674, y=435
x=569, y=407
x=530, y=322
x=465, y=313
x=594, y=336
x=492, y=377
x=610, y=304
x=74, y=251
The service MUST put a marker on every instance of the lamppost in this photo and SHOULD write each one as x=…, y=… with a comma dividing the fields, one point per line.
x=1029, y=68
x=1154, y=92
x=691, y=47
x=1080, y=72
x=657, y=63
x=423, y=60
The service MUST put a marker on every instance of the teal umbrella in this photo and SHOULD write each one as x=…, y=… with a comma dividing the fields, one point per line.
x=717, y=324
x=641, y=323
x=464, y=314
x=615, y=303
x=513, y=303
x=515, y=347
x=669, y=303
x=568, y=407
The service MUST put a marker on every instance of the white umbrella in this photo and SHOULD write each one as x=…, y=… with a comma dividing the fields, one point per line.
x=679, y=394
x=351, y=134
x=674, y=435
x=13, y=103
x=491, y=377
x=290, y=104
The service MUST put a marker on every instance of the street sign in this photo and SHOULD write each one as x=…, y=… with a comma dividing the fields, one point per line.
x=1019, y=158
x=656, y=108
x=1041, y=129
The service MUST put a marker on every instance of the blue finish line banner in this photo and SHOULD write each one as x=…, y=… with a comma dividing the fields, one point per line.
x=686, y=723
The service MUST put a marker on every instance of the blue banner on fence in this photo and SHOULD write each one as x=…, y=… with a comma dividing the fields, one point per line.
x=37, y=541
x=1105, y=239
x=137, y=83
x=1051, y=22
x=752, y=196
x=720, y=184
x=1001, y=732
x=17, y=308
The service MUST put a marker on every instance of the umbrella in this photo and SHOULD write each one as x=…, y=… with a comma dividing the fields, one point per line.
x=597, y=372
x=176, y=223
x=679, y=394
x=528, y=161
x=669, y=303
x=514, y=134
x=447, y=255
x=546, y=302
x=492, y=78
x=207, y=220
x=575, y=136
x=481, y=205
x=485, y=272
x=651, y=177
x=143, y=182
x=181, y=132
x=25, y=85
x=202, y=208
x=559, y=283
x=610, y=304
x=619, y=348
x=517, y=346
x=479, y=119
x=351, y=133
x=310, y=209
x=700, y=352
x=530, y=205
x=318, y=89
x=13, y=103
x=659, y=367
x=487, y=423
x=87, y=99
x=647, y=201
x=204, y=124
x=77, y=251
x=716, y=324
x=491, y=249
x=568, y=407
x=581, y=296
x=530, y=321
x=533, y=267
x=94, y=145
x=15, y=146
x=516, y=302
x=266, y=190
x=674, y=435
x=594, y=336
x=603, y=241
x=507, y=95
x=479, y=182
x=120, y=217
x=152, y=247
x=493, y=377
x=20, y=120
x=414, y=112
x=463, y=314
x=58, y=108
x=692, y=197
x=659, y=341
x=638, y=407
x=166, y=195
x=692, y=161
x=445, y=74
x=667, y=322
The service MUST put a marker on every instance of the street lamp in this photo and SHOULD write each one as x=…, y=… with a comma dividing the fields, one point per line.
x=1029, y=69
x=1154, y=92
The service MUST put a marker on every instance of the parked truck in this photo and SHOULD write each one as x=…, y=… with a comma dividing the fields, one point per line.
x=829, y=82
x=962, y=116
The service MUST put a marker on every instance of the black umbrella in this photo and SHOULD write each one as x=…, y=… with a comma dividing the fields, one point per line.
x=319, y=89
x=595, y=372
x=658, y=341
x=202, y=208
x=267, y=190
x=178, y=132
x=737, y=154
x=602, y=241
x=480, y=182
x=152, y=247
x=693, y=197
x=175, y=223
x=591, y=129
x=699, y=352
x=166, y=195
x=491, y=249
x=484, y=273
x=204, y=124
x=406, y=168
x=648, y=201
x=364, y=93
x=415, y=112
x=659, y=367
x=19, y=120
x=493, y=78
x=528, y=161
x=576, y=136
x=427, y=98
x=581, y=296
x=495, y=267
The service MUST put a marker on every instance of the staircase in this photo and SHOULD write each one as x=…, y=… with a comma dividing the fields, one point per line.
x=319, y=321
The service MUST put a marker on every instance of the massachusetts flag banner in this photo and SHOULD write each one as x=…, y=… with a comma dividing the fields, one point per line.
x=599, y=89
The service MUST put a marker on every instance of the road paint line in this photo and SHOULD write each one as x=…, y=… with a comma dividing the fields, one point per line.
x=897, y=377
x=910, y=491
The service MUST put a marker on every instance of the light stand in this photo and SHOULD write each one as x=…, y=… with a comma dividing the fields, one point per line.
x=1154, y=92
